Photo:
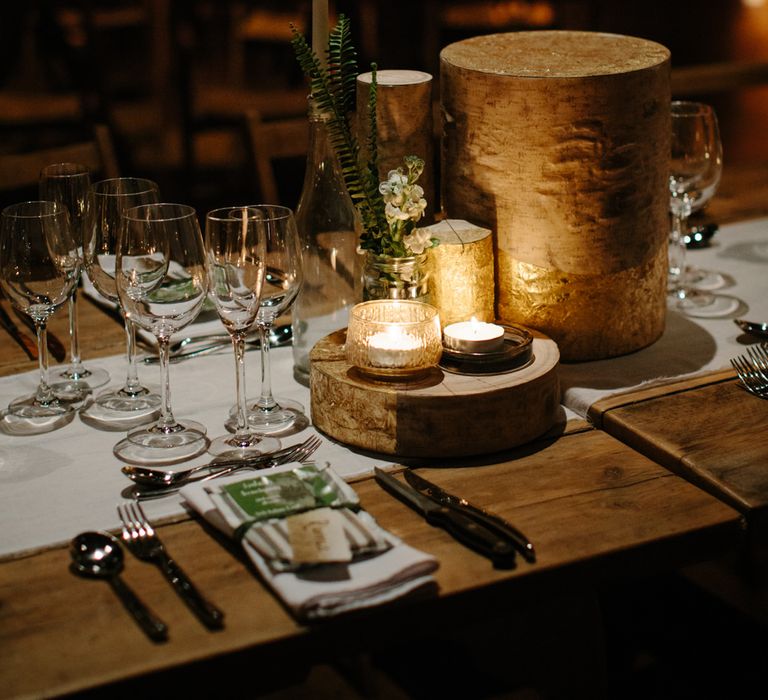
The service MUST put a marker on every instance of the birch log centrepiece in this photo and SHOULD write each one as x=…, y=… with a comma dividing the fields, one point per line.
x=558, y=141
x=405, y=124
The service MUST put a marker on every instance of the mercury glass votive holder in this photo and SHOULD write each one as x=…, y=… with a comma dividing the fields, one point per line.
x=393, y=340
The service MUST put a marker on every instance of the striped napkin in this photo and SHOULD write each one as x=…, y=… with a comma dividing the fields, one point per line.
x=383, y=568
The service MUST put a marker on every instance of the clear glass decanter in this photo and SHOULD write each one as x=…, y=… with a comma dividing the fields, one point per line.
x=329, y=230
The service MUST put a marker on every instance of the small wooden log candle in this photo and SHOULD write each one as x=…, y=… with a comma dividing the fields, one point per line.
x=559, y=142
x=404, y=123
x=462, y=283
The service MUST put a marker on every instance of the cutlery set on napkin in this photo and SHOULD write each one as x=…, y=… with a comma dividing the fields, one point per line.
x=321, y=554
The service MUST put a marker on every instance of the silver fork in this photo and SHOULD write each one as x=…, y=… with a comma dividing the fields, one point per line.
x=141, y=539
x=752, y=377
x=298, y=453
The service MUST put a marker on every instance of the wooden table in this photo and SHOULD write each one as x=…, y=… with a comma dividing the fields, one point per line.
x=597, y=510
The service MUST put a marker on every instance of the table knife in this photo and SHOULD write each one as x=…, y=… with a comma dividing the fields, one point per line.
x=496, y=523
x=466, y=530
x=55, y=346
x=27, y=344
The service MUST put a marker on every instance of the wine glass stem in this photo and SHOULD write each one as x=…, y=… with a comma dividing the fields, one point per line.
x=677, y=250
x=265, y=402
x=132, y=385
x=74, y=338
x=44, y=394
x=166, y=419
x=241, y=432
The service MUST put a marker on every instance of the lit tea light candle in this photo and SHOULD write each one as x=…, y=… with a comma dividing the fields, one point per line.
x=393, y=348
x=473, y=336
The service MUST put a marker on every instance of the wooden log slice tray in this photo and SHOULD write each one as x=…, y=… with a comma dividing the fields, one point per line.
x=441, y=415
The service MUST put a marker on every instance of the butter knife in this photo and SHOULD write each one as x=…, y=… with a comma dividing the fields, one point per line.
x=519, y=541
x=466, y=530
x=27, y=344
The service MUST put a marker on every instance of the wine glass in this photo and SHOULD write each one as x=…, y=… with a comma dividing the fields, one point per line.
x=68, y=184
x=695, y=169
x=282, y=282
x=162, y=284
x=39, y=268
x=235, y=245
x=107, y=201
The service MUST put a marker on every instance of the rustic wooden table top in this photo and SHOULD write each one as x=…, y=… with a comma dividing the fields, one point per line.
x=594, y=507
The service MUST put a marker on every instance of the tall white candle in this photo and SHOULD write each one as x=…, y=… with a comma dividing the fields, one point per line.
x=320, y=28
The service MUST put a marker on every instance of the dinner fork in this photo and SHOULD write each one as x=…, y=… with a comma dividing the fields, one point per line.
x=140, y=538
x=299, y=453
x=752, y=377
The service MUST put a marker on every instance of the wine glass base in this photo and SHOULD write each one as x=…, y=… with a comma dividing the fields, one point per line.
x=283, y=417
x=121, y=401
x=11, y=424
x=710, y=306
x=94, y=377
x=71, y=391
x=229, y=447
x=29, y=407
x=150, y=445
x=102, y=418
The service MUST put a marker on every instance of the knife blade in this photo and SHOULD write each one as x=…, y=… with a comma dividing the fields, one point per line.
x=495, y=522
x=463, y=528
x=27, y=344
x=55, y=346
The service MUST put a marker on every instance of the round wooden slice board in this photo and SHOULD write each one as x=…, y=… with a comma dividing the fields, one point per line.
x=442, y=415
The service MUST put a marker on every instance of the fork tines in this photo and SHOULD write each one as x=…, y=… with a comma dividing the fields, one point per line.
x=752, y=370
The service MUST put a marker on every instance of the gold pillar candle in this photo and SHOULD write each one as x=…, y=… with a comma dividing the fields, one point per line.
x=559, y=142
x=462, y=283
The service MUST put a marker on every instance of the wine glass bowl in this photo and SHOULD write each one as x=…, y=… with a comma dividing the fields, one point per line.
x=69, y=185
x=107, y=201
x=696, y=163
x=235, y=243
x=162, y=283
x=39, y=269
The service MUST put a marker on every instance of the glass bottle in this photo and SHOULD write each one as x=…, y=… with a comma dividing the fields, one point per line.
x=329, y=230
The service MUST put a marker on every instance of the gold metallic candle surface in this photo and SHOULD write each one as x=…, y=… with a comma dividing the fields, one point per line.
x=462, y=271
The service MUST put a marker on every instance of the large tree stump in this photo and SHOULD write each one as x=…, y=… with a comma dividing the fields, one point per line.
x=404, y=124
x=558, y=141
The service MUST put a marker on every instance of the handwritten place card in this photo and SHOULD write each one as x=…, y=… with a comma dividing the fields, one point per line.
x=318, y=537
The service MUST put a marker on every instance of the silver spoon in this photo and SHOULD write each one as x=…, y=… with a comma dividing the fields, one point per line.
x=100, y=555
x=759, y=330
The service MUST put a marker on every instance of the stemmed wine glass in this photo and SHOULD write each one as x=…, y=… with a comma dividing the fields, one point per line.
x=162, y=284
x=282, y=282
x=39, y=268
x=68, y=184
x=235, y=245
x=107, y=202
x=695, y=170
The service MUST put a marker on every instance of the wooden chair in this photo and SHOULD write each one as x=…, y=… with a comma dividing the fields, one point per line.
x=717, y=77
x=22, y=170
x=271, y=141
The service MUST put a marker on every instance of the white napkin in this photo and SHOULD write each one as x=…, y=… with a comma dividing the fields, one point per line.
x=330, y=589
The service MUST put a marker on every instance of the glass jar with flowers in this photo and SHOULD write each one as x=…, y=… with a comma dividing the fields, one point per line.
x=395, y=249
